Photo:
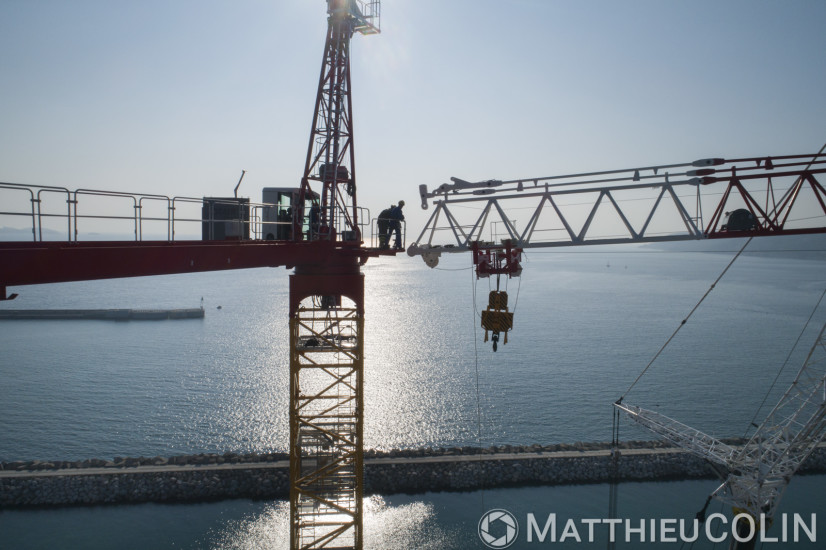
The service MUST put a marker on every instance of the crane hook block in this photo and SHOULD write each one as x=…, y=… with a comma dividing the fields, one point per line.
x=496, y=318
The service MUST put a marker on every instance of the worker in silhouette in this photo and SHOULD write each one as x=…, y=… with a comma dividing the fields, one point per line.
x=315, y=221
x=285, y=218
x=383, y=226
x=396, y=219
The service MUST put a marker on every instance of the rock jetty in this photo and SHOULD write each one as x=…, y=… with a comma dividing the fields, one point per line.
x=231, y=475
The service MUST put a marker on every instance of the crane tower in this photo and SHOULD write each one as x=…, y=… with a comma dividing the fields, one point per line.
x=326, y=294
x=327, y=311
x=325, y=247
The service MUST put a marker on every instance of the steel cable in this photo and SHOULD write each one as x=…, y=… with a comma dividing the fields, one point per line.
x=785, y=363
x=683, y=322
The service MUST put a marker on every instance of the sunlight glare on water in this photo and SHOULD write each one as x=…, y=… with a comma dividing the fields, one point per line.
x=585, y=324
x=386, y=527
x=416, y=364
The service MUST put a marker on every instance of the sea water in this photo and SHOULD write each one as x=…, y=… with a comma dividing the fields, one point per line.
x=586, y=324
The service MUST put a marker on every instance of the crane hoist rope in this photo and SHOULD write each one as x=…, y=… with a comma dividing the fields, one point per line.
x=478, y=391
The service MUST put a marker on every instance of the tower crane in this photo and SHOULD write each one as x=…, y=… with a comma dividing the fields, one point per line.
x=759, y=471
x=326, y=290
x=326, y=250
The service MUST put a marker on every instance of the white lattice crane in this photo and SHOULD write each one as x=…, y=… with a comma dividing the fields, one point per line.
x=760, y=471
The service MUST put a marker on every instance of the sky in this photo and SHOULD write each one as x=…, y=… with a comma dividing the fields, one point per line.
x=177, y=97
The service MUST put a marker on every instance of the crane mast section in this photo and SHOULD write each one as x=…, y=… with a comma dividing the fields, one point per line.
x=326, y=408
x=331, y=150
x=761, y=196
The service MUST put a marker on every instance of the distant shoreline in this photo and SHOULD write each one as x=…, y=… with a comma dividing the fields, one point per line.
x=803, y=247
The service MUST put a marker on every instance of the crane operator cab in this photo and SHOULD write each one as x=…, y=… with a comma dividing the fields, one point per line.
x=277, y=215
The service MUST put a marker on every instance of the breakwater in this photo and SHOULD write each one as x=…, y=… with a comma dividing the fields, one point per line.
x=212, y=476
x=103, y=314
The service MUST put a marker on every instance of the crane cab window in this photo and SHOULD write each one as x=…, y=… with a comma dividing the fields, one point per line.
x=278, y=215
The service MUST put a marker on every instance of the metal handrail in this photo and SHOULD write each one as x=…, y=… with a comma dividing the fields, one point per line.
x=375, y=237
x=254, y=220
x=141, y=217
x=250, y=214
x=31, y=201
x=40, y=210
x=98, y=193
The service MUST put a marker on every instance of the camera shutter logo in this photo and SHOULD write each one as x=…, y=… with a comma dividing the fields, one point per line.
x=488, y=526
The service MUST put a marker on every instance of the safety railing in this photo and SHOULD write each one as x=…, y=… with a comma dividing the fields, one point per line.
x=52, y=213
x=9, y=190
x=384, y=235
x=367, y=16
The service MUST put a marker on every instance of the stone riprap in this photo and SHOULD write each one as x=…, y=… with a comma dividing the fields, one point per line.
x=213, y=477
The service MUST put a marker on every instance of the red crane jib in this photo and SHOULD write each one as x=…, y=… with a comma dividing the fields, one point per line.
x=27, y=263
